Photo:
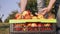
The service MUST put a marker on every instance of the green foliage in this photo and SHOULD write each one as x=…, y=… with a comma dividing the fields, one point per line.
x=0, y=20
x=32, y=6
x=47, y=2
x=11, y=16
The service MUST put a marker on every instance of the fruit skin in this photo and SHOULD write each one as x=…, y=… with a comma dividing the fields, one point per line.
x=18, y=29
x=50, y=17
x=17, y=25
x=33, y=25
x=29, y=25
x=34, y=17
x=39, y=25
x=26, y=15
x=40, y=16
x=47, y=25
x=30, y=29
x=18, y=16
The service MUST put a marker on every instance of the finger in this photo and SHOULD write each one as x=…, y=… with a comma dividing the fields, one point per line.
x=43, y=9
x=43, y=13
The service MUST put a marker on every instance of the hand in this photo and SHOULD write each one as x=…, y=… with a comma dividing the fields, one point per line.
x=45, y=10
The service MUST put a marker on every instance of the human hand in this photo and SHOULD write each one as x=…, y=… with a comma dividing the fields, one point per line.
x=45, y=10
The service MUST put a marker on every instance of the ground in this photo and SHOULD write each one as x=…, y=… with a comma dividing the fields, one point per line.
x=4, y=28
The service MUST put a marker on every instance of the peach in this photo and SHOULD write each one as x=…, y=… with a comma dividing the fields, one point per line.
x=18, y=16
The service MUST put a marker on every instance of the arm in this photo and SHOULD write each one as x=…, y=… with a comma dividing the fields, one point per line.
x=23, y=5
x=49, y=7
x=51, y=3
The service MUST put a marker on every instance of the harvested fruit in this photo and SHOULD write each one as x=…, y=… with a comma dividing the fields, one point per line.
x=50, y=17
x=47, y=25
x=27, y=17
x=18, y=29
x=32, y=29
x=29, y=25
x=29, y=29
x=40, y=16
x=17, y=25
x=18, y=16
x=25, y=13
x=48, y=28
x=34, y=17
x=33, y=25
x=39, y=25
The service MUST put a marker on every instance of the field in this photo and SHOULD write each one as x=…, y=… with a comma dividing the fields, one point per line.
x=4, y=28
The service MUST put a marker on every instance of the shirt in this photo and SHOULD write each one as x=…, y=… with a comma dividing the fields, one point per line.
x=40, y=5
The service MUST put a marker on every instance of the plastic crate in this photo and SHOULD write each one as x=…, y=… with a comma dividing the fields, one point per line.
x=33, y=32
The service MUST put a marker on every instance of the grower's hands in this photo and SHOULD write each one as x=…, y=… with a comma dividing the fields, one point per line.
x=45, y=10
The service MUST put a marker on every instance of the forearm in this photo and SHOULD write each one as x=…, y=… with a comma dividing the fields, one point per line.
x=51, y=3
x=23, y=4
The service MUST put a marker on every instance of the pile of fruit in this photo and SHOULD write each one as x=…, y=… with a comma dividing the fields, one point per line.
x=33, y=27
x=28, y=15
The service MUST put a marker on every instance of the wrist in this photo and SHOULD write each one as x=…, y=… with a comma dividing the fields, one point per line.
x=49, y=7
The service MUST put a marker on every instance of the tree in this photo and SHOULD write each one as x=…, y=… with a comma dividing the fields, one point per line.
x=11, y=16
x=32, y=6
x=1, y=18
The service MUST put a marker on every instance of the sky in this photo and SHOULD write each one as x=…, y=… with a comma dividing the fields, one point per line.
x=7, y=6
